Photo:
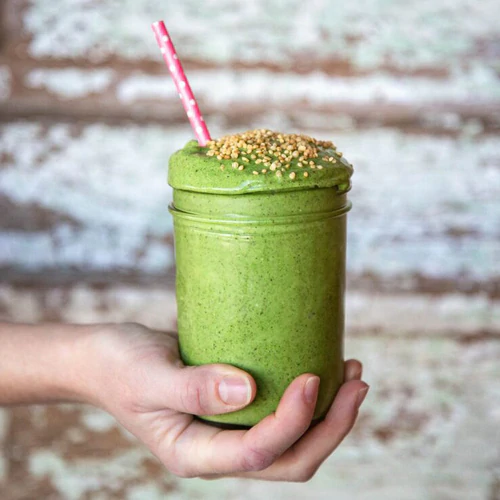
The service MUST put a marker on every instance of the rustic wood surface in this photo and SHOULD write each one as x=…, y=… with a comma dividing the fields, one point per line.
x=430, y=428
x=410, y=91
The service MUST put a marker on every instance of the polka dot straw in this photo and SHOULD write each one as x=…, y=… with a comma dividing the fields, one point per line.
x=185, y=93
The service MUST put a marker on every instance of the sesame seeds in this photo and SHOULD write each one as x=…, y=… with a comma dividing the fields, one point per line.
x=277, y=153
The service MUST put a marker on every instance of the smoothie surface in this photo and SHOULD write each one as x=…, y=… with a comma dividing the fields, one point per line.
x=258, y=161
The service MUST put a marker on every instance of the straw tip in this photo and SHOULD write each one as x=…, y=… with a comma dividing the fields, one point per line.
x=157, y=23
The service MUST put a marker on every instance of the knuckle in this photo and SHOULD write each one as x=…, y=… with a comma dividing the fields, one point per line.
x=255, y=459
x=194, y=396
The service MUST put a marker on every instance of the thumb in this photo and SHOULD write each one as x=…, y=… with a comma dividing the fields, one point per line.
x=209, y=389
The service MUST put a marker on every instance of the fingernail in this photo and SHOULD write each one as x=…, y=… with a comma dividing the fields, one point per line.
x=311, y=389
x=361, y=396
x=235, y=390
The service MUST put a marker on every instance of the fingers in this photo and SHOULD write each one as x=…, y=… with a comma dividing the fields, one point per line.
x=301, y=462
x=203, y=450
x=323, y=439
x=200, y=390
x=276, y=433
x=280, y=447
x=209, y=389
x=353, y=370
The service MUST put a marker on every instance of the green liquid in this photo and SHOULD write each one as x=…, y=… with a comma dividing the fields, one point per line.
x=260, y=274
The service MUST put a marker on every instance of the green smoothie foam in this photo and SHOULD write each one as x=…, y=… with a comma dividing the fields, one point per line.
x=260, y=247
x=240, y=168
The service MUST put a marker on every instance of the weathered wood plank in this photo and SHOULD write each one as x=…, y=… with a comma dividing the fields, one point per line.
x=94, y=198
x=83, y=204
x=382, y=63
x=426, y=431
x=464, y=318
x=429, y=428
x=30, y=89
x=4, y=430
x=412, y=37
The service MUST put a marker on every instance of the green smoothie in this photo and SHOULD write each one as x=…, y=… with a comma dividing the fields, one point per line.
x=260, y=235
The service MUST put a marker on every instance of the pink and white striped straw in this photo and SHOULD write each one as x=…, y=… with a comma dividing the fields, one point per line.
x=181, y=82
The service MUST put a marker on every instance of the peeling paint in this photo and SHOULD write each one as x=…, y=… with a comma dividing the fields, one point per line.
x=70, y=83
x=422, y=204
x=5, y=82
x=98, y=421
x=460, y=314
x=257, y=87
x=73, y=479
x=409, y=191
x=4, y=422
x=424, y=429
x=75, y=177
x=408, y=35
x=146, y=491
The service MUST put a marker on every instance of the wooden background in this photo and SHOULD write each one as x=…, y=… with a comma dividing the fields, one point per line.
x=410, y=91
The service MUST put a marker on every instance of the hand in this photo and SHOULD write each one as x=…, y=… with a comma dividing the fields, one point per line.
x=140, y=379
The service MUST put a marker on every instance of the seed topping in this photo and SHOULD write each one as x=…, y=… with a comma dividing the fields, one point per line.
x=276, y=152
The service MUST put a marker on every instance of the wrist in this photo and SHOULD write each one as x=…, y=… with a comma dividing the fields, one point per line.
x=96, y=365
x=66, y=369
x=87, y=365
x=45, y=363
